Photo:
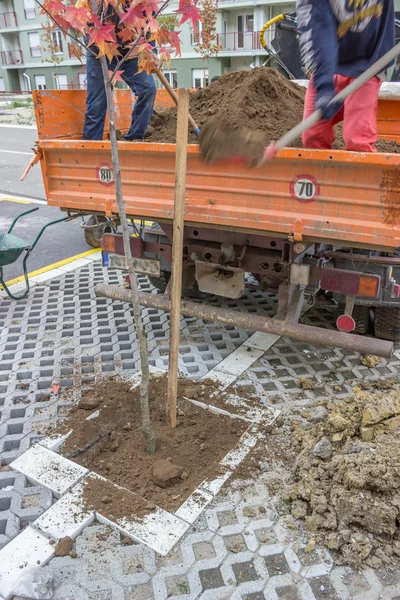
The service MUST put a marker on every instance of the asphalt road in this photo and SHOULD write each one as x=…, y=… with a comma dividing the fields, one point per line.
x=59, y=241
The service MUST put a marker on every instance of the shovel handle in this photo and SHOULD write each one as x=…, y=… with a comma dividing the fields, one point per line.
x=355, y=85
x=174, y=97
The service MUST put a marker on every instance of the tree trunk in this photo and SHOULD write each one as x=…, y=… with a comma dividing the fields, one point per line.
x=150, y=443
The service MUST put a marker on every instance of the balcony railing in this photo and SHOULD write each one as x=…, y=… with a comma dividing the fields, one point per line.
x=11, y=57
x=8, y=19
x=30, y=13
x=239, y=41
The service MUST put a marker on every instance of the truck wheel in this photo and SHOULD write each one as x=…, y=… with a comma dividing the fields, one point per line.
x=387, y=323
x=94, y=234
x=160, y=283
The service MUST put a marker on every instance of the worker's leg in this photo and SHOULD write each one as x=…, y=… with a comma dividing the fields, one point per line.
x=145, y=89
x=320, y=135
x=360, y=116
x=96, y=101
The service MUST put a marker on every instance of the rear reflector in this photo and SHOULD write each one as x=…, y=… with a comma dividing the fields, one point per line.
x=350, y=283
x=345, y=323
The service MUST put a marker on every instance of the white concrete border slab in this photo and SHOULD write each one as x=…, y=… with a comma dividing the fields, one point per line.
x=44, y=467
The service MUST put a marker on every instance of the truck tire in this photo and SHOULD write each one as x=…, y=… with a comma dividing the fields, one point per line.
x=94, y=235
x=387, y=323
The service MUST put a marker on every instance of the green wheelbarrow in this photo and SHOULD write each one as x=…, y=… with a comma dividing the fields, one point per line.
x=11, y=248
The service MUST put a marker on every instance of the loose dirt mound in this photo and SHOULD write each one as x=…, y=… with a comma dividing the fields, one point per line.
x=112, y=443
x=348, y=478
x=259, y=100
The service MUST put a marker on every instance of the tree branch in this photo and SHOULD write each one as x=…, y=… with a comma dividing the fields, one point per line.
x=136, y=42
x=64, y=30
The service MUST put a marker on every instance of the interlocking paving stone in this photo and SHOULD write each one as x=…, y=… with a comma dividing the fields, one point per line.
x=276, y=564
x=245, y=572
x=61, y=335
x=211, y=579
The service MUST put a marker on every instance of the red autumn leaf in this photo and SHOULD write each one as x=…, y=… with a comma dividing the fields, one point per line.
x=55, y=388
x=143, y=47
x=127, y=36
x=57, y=11
x=99, y=34
x=175, y=42
x=110, y=50
x=77, y=17
x=147, y=61
x=133, y=16
x=117, y=77
x=75, y=51
x=164, y=55
x=189, y=13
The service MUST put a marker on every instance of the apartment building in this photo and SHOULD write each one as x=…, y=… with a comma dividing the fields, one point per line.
x=24, y=62
x=238, y=25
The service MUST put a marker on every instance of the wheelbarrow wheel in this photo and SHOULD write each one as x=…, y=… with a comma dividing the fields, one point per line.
x=94, y=234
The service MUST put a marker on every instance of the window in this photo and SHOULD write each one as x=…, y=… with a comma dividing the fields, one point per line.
x=82, y=80
x=40, y=82
x=249, y=23
x=172, y=78
x=29, y=9
x=245, y=27
x=2, y=85
x=34, y=44
x=200, y=78
x=61, y=82
x=57, y=41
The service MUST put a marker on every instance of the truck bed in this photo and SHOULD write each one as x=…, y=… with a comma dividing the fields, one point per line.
x=311, y=195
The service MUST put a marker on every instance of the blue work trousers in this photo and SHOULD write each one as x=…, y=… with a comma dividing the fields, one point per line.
x=141, y=84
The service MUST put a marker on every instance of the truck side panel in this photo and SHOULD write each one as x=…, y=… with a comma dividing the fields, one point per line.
x=341, y=197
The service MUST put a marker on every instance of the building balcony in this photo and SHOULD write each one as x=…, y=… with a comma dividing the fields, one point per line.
x=8, y=20
x=236, y=41
x=11, y=57
x=239, y=41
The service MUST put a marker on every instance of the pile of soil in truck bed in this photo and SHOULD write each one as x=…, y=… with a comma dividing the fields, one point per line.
x=260, y=99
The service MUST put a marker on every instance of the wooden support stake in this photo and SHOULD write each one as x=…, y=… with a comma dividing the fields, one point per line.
x=177, y=250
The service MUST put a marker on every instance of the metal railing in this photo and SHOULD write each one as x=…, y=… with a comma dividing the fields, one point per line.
x=233, y=41
x=8, y=19
x=11, y=57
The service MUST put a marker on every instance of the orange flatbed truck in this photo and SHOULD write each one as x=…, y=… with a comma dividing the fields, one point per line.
x=311, y=220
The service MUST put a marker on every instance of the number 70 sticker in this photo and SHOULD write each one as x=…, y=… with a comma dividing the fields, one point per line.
x=304, y=188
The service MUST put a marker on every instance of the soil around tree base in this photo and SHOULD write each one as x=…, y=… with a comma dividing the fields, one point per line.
x=112, y=444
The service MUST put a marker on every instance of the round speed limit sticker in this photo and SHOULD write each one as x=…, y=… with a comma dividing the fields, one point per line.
x=304, y=188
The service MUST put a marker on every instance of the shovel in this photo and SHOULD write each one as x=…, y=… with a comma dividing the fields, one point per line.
x=219, y=142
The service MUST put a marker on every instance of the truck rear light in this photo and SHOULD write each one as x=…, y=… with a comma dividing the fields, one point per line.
x=345, y=323
x=368, y=286
x=350, y=283
x=396, y=291
x=108, y=243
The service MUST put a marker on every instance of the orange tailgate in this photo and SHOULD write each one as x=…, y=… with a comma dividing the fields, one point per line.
x=319, y=195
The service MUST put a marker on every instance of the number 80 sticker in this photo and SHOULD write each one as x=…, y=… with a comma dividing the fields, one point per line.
x=304, y=188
